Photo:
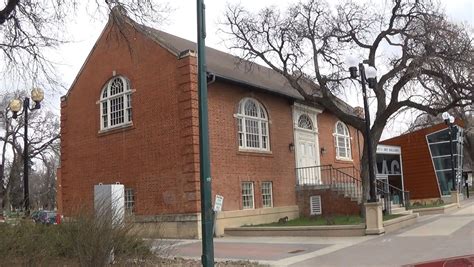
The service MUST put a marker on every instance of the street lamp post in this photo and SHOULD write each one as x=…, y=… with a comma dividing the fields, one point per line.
x=207, y=215
x=367, y=76
x=15, y=106
x=449, y=120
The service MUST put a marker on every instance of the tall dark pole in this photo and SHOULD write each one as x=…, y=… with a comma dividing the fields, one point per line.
x=368, y=139
x=207, y=257
x=26, y=105
x=453, y=173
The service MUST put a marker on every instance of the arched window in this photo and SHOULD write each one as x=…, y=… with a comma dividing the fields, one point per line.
x=305, y=122
x=115, y=103
x=343, y=141
x=252, y=123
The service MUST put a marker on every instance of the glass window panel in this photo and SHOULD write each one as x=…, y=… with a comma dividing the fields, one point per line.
x=252, y=125
x=439, y=136
x=444, y=163
x=116, y=87
x=129, y=199
x=339, y=128
x=445, y=181
x=251, y=108
x=342, y=152
x=305, y=122
x=247, y=195
x=267, y=194
x=442, y=149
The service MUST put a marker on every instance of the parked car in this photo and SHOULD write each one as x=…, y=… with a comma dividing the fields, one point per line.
x=44, y=217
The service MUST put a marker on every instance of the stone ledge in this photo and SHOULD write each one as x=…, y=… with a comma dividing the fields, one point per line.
x=187, y=217
x=255, y=212
x=326, y=230
x=400, y=222
x=436, y=210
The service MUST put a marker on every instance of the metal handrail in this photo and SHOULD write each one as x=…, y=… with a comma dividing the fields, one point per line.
x=404, y=196
x=328, y=176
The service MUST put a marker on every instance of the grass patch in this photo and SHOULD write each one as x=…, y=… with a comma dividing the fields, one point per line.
x=434, y=204
x=317, y=220
x=391, y=216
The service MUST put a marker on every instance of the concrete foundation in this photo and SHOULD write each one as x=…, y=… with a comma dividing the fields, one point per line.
x=236, y=218
x=188, y=226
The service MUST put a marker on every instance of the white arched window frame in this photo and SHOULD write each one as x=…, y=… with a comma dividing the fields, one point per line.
x=305, y=122
x=342, y=140
x=252, y=123
x=116, y=103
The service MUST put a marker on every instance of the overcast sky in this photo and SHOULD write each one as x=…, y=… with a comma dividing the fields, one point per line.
x=182, y=22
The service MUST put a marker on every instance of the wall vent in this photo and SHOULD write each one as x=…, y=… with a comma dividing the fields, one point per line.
x=315, y=205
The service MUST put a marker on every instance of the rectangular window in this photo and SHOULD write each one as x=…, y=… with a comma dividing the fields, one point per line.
x=264, y=135
x=252, y=129
x=247, y=195
x=267, y=194
x=104, y=115
x=129, y=200
x=116, y=111
x=129, y=107
x=241, y=132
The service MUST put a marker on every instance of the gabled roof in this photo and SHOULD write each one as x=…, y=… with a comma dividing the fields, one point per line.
x=225, y=65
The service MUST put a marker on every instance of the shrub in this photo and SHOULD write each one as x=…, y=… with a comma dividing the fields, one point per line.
x=86, y=240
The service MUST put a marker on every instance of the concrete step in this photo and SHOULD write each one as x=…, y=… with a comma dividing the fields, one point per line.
x=400, y=210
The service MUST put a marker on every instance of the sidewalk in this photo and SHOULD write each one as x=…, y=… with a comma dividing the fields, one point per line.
x=433, y=237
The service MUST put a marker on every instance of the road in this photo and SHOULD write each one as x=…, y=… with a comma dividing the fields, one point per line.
x=433, y=237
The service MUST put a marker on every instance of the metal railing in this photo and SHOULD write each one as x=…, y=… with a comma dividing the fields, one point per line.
x=326, y=176
x=391, y=194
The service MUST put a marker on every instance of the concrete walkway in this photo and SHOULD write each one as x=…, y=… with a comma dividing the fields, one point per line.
x=433, y=237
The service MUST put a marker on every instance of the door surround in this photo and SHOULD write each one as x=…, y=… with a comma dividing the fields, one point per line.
x=306, y=136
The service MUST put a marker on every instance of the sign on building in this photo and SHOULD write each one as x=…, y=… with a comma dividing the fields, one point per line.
x=219, y=201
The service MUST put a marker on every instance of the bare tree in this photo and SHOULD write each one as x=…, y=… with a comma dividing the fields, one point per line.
x=412, y=42
x=29, y=29
x=43, y=146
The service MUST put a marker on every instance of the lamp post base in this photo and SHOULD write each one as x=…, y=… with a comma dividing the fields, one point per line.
x=455, y=197
x=373, y=218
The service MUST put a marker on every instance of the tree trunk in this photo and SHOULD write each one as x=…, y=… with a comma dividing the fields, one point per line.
x=376, y=133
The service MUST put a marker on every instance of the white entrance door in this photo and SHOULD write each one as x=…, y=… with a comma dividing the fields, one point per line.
x=307, y=157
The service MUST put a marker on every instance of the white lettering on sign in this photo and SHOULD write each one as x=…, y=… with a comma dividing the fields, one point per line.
x=219, y=201
x=384, y=149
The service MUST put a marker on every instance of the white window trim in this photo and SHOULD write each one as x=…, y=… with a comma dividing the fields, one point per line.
x=271, y=194
x=126, y=92
x=253, y=196
x=347, y=138
x=244, y=117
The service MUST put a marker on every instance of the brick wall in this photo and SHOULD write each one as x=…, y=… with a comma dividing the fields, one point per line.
x=230, y=167
x=59, y=195
x=326, y=127
x=332, y=203
x=159, y=155
x=150, y=156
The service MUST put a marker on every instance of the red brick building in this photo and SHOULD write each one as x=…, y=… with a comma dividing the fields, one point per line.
x=131, y=116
